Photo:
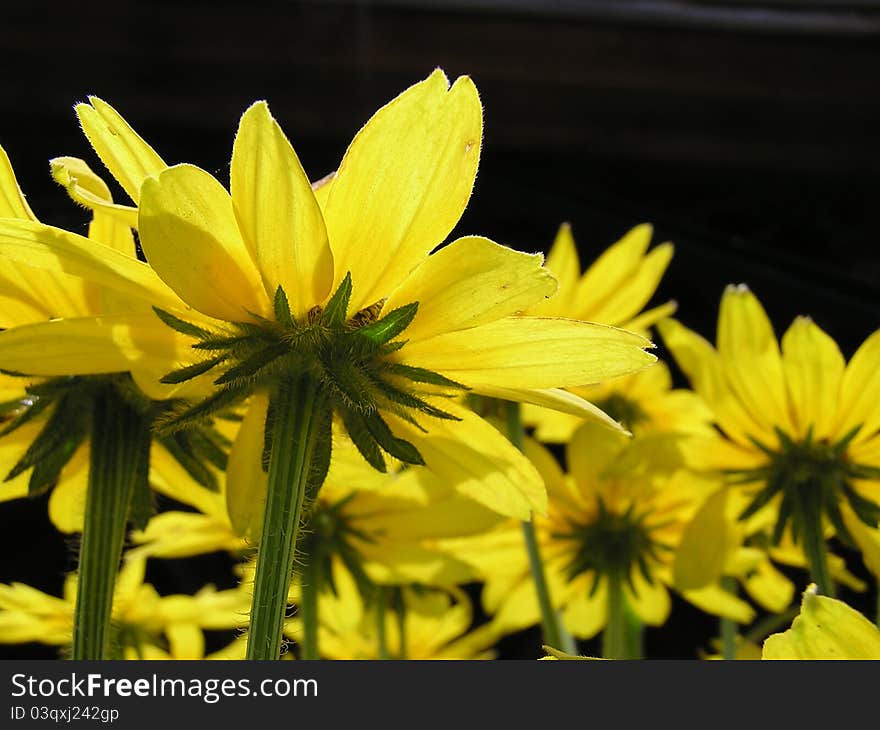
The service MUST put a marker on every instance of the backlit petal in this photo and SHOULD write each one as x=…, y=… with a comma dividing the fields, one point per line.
x=403, y=184
x=89, y=190
x=190, y=237
x=278, y=214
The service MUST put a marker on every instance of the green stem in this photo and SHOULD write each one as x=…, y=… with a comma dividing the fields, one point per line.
x=401, y=627
x=635, y=633
x=119, y=456
x=310, y=589
x=550, y=624
x=728, y=625
x=298, y=407
x=614, y=637
x=813, y=538
x=381, y=638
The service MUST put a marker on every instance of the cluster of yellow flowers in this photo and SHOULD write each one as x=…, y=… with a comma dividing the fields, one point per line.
x=367, y=424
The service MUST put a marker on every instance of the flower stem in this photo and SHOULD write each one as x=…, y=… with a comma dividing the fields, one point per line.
x=310, y=589
x=381, y=638
x=813, y=538
x=298, y=408
x=728, y=625
x=614, y=637
x=119, y=456
x=550, y=625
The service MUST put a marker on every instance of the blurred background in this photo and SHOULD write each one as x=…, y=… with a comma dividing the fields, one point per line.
x=747, y=132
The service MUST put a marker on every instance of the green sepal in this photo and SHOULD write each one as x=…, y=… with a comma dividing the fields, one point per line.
x=181, y=325
x=179, y=446
x=38, y=406
x=183, y=417
x=397, y=447
x=191, y=371
x=249, y=367
x=391, y=325
x=282, y=308
x=337, y=308
x=422, y=375
x=360, y=435
x=411, y=401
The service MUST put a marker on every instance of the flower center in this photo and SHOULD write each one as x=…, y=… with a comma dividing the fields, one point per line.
x=349, y=358
x=811, y=478
x=612, y=545
x=623, y=410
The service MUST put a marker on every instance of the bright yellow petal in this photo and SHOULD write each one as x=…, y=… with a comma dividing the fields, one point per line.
x=89, y=345
x=125, y=154
x=591, y=449
x=246, y=482
x=532, y=352
x=715, y=600
x=769, y=587
x=186, y=641
x=705, y=545
x=190, y=237
x=867, y=539
x=860, y=391
x=182, y=535
x=562, y=402
x=702, y=365
x=647, y=319
x=12, y=200
x=67, y=503
x=278, y=214
x=58, y=251
x=813, y=371
x=403, y=184
x=611, y=271
x=649, y=601
x=470, y=282
x=477, y=461
x=750, y=355
x=89, y=190
x=825, y=629
x=627, y=300
x=563, y=263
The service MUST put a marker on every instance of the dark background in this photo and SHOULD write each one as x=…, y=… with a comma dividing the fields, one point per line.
x=747, y=133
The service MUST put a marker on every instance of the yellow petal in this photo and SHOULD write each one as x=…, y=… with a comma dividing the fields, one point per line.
x=634, y=293
x=403, y=184
x=562, y=402
x=715, y=600
x=278, y=214
x=89, y=190
x=564, y=264
x=612, y=270
x=705, y=545
x=128, y=158
x=585, y=616
x=90, y=345
x=649, y=601
x=825, y=629
x=12, y=200
x=186, y=641
x=190, y=237
x=246, y=482
x=769, y=587
x=532, y=353
x=591, y=450
x=647, y=319
x=168, y=477
x=860, y=391
x=477, y=461
x=867, y=539
x=470, y=282
x=702, y=365
x=182, y=535
x=813, y=371
x=67, y=503
x=58, y=251
x=750, y=355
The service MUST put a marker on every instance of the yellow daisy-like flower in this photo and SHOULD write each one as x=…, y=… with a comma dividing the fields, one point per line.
x=799, y=425
x=825, y=629
x=419, y=623
x=613, y=290
x=142, y=619
x=609, y=539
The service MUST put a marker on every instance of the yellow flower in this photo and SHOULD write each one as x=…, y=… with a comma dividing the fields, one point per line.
x=35, y=412
x=619, y=515
x=279, y=276
x=613, y=291
x=142, y=619
x=424, y=624
x=799, y=426
x=825, y=629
